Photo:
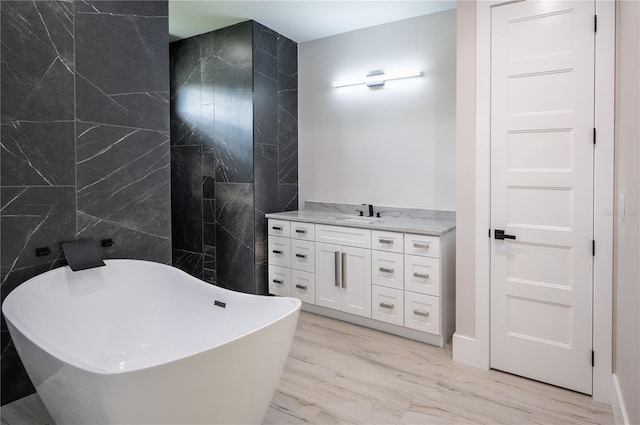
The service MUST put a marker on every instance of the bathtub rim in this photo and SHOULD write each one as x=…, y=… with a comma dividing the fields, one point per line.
x=19, y=326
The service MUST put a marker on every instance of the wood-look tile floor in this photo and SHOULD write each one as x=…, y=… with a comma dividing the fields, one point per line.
x=339, y=373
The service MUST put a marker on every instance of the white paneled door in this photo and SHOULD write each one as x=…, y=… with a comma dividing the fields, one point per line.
x=542, y=153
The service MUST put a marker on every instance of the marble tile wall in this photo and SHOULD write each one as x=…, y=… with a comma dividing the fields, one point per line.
x=234, y=94
x=84, y=133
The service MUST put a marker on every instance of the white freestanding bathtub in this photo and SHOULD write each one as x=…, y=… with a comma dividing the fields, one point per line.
x=138, y=342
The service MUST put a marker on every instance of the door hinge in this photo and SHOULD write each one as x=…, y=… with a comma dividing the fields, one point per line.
x=593, y=358
x=594, y=136
x=595, y=23
x=593, y=248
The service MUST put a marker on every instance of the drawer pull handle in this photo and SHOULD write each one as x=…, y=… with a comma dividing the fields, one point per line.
x=301, y=256
x=421, y=313
x=385, y=270
x=279, y=228
x=386, y=241
x=337, y=267
x=344, y=270
x=301, y=286
x=421, y=245
x=421, y=275
x=303, y=231
x=278, y=281
x=385, y=305
x=275, y=251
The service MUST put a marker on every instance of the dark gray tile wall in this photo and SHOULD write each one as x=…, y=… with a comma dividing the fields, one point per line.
x=234, y=93
x=84, y=128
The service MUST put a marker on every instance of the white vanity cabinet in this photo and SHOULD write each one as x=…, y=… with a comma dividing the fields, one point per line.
x=397, y=282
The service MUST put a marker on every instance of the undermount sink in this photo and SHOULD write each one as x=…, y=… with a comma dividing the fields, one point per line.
x=357, y=219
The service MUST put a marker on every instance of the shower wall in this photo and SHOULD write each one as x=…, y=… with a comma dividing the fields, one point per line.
x=84, y=136
x=234, y=150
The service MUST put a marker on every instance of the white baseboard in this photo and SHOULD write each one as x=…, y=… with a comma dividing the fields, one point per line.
x=620, y=415
x=465, y=350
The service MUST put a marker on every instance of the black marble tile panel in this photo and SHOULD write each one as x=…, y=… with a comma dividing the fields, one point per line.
x=147, y=8
x=210, y=257
x=128, y=242
x=261, y=238
x=232, y=44
x=266, y=178
x=186, y=95
x=5, y=339
x=209, y=276
x=124, y=176
x=14, y=379
x=265, y=110
x=208, y=187
x=265, y=39
x=262, y=279
x=37, y=86
x=208, y=163
x=287, y=147
x=234, y=263
x=233, y=142
x=209, y=234
x=189, y=262
x=265, y=50
x=235, y=236
x=287, y=197
x=38, y=154
x=186, y=198
x=123, y=79
x=34, y=217
x=208, y=211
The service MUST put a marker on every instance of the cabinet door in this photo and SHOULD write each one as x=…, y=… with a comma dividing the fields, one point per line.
x=328, y=277
x=279, y=281
x=356, y=281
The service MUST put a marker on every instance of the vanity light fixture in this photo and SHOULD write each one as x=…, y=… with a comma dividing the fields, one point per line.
x=377, y=79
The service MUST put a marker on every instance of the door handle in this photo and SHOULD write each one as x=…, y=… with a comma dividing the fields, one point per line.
x=344, y=269
x=301, y=256
x=337, y=268
x=500, y=235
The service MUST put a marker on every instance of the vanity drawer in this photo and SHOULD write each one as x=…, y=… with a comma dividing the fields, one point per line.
x=279, y=228
x=387, y=241
x=422, y=275
x=388, y=305
x=427, y=246
x=279, y=251
x=338, y=235
x=387, y=269
x=303, y=286
x=422, y=312
x=279, y=281
x=302, y=257
x=304, y=231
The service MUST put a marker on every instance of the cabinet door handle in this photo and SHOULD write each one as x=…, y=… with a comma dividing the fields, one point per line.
x=385, y=305
x=386, y=241
x=385, y=270
x=277, y=228
x=301, y=286
x=301, y=231
x=421, y=275
x=301, y=256
x=344, y=270
x=338, y=275
x=421, y=245
x=276, y=251
x=278, y=281
x=421, y=313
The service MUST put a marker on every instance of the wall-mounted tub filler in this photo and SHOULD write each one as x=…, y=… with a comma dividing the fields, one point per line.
x=138, y=342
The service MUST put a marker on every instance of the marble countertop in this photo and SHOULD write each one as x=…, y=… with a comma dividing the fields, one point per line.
x=435, y=226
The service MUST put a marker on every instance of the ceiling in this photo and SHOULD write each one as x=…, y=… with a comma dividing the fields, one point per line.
x=300, y=20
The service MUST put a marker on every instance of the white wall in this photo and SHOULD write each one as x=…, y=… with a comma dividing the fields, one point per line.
x=391, y=146
x=627, y=230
